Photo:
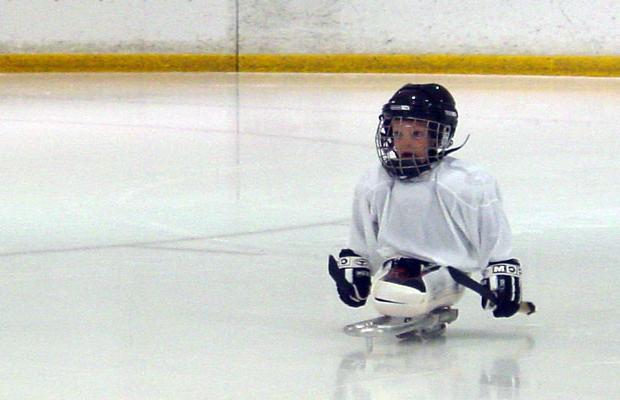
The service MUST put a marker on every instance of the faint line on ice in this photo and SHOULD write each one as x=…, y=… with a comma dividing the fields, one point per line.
x=209, y=251
x=150, y=244
x=183, y=129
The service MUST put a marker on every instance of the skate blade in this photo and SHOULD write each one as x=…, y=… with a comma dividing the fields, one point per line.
x=395, y=326
x=389, y=326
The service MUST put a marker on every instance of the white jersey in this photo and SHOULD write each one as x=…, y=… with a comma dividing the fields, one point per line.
x=450, y=215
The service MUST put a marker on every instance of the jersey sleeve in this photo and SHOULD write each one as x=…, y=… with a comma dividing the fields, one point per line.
x=495, y=237
x=477, y=210
x=364, y=226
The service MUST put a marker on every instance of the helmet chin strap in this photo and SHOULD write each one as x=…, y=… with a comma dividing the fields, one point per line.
x=456, y=148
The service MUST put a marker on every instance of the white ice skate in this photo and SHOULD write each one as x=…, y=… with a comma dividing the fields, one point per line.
x=426, y=326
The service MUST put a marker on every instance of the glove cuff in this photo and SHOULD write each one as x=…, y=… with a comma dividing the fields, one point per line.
x=510, y=267
x=349, y=259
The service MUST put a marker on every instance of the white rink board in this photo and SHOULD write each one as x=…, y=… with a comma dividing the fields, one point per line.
x=528, y=27
x=133, y=26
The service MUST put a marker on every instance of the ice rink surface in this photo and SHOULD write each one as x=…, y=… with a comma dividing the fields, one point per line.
x=166, y=237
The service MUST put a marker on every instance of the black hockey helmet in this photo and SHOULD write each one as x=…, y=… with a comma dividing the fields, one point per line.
x=429, y=103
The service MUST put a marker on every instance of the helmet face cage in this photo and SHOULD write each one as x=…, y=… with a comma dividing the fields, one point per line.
x=439, y=139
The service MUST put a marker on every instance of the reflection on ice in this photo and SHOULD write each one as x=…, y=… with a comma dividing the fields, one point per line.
x=431, y=369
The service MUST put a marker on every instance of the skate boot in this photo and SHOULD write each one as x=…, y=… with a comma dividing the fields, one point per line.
x=442, y=317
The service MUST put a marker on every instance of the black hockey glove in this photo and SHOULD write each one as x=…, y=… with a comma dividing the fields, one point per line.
x=352, y=276
x=503, y=279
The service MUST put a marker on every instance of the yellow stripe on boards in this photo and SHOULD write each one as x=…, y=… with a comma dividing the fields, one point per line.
x=117, y=62
x=334, y=63
x=435, y=64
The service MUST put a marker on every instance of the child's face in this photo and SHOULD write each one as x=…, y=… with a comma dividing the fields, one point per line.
x=411, y=138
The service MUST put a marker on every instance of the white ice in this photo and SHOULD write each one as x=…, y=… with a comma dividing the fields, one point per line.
x=166, y=237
